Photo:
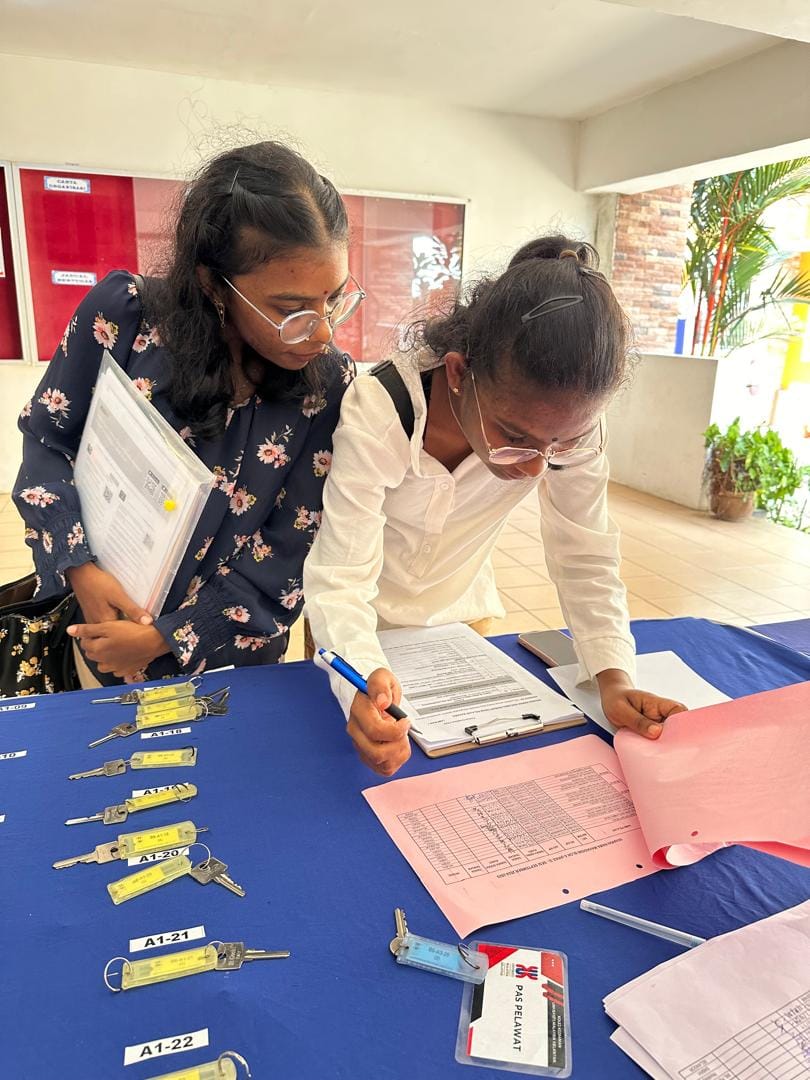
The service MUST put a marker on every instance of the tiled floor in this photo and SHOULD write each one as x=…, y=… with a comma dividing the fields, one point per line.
x=676, y=562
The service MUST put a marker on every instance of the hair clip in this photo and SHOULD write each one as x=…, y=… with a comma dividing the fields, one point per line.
x=554, y=303
x=233, y=182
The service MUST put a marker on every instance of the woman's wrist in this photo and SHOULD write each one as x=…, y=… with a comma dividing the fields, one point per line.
x=613, y=679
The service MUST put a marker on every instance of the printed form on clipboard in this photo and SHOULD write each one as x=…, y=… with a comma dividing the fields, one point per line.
x=142, y=489
x=460, y=691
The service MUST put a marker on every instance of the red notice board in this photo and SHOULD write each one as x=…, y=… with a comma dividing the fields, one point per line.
x=10, y=343
x=78, y=227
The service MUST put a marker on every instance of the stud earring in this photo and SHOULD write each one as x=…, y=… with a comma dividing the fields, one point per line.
x=456, y=390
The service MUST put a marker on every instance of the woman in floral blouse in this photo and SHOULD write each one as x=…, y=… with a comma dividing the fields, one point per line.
x=234, y=349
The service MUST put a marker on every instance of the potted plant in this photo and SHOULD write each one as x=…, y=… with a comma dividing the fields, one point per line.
x=744, y=468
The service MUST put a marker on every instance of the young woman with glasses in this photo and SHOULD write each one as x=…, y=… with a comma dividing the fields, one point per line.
x=507, y=393
x=233, y=347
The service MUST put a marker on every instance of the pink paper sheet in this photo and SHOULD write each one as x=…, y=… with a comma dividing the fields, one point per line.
x=495, y=840
x=736, y=773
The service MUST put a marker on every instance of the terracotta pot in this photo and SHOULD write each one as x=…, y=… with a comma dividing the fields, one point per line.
x=729, y=506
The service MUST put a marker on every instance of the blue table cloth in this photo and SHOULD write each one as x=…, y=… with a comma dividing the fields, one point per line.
x=795, y=634
x=280, y=790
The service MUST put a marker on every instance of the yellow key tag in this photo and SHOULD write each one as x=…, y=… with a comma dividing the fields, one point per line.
x=143, y=881
x=176, y=793
x=175, y=965
x=161, y=759
x=163, y=715
x=223, y=1069
x=148, y=841
x=171, y=692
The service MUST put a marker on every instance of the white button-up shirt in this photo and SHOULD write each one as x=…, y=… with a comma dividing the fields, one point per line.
x=405, y=542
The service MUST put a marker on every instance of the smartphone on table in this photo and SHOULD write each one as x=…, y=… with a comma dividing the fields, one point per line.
x=553, y=648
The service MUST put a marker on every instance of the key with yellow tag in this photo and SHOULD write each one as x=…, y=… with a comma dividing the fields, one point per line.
x=143, y=759
x=146, y=842
x=216, y=956
x=149, y=694
x=165, y=713
x=114, y=815
x=221, y=1069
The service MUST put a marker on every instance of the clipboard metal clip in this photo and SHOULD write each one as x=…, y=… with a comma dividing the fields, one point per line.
x=507, y=732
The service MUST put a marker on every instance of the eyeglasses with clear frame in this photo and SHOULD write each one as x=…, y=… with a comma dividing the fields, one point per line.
x=301, y=325
x=568, y=458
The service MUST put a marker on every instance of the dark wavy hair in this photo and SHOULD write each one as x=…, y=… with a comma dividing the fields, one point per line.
x=244, y=208
x=582, y=348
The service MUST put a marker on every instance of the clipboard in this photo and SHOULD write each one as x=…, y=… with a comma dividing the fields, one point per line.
x=471, y=744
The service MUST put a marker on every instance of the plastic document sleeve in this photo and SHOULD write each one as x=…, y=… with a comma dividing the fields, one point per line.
x=142, y=489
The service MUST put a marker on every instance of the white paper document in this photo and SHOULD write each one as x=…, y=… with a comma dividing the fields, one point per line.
x=452, y=678
x=662, y=673
x=142, y=489
x=736, y=1008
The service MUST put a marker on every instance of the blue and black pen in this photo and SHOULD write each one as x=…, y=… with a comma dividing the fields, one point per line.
x=338, y=664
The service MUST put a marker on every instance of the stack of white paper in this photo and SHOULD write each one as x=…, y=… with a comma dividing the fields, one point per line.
x=662, y=673
x=142, y=489
x=736, y=1008
x=452, y=679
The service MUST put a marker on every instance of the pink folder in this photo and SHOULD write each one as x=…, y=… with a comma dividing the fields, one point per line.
x=736, y=773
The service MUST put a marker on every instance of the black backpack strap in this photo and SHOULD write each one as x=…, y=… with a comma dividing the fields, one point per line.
x=393, y=382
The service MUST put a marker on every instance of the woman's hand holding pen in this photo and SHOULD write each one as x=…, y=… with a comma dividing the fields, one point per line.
x=381, y=742
x=624, y=706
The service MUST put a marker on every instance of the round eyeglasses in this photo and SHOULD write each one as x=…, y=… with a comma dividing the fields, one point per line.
x=568, y=458
x=301, y=325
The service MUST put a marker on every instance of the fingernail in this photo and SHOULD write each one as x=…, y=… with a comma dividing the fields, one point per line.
x=655, y=730
x=71, y=629
x=146, y=620
x=382, y=701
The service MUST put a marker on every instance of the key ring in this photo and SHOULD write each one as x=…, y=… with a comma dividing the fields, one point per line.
x=464, y=953
x=107, y=983
x=232, y=1055
x=199, y=843
x=182, y=790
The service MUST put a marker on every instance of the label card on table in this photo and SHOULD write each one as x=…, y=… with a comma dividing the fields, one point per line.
x=163, y=734
x=166, y=937
x=167, y=1044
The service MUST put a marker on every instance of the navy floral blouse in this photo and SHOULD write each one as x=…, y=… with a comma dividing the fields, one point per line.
x=238, y=589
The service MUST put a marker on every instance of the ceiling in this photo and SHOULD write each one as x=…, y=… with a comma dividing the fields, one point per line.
x=569, y=59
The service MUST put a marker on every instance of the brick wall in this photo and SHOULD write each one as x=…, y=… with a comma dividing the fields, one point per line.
x=648, y=258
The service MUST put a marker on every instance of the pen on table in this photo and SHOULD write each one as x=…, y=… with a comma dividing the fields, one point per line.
x=342, y=667
x=678, y=937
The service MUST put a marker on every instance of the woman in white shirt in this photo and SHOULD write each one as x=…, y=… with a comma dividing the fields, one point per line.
x=505, y=394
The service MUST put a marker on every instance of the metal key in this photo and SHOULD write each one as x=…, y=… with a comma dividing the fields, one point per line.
x=113, y=815
x=402, y=931
x=143, y=759
x=214, y=869
x=120, y=731
x=103, y=853
x=232, y=954
x=109, y=768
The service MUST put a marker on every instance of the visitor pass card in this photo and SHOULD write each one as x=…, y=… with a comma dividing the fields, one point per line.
x=518, y=1019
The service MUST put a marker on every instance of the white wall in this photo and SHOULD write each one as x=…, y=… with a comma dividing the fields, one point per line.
x=657, y=422
x=517, y=172
x=656, y=427
x=736, y=116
